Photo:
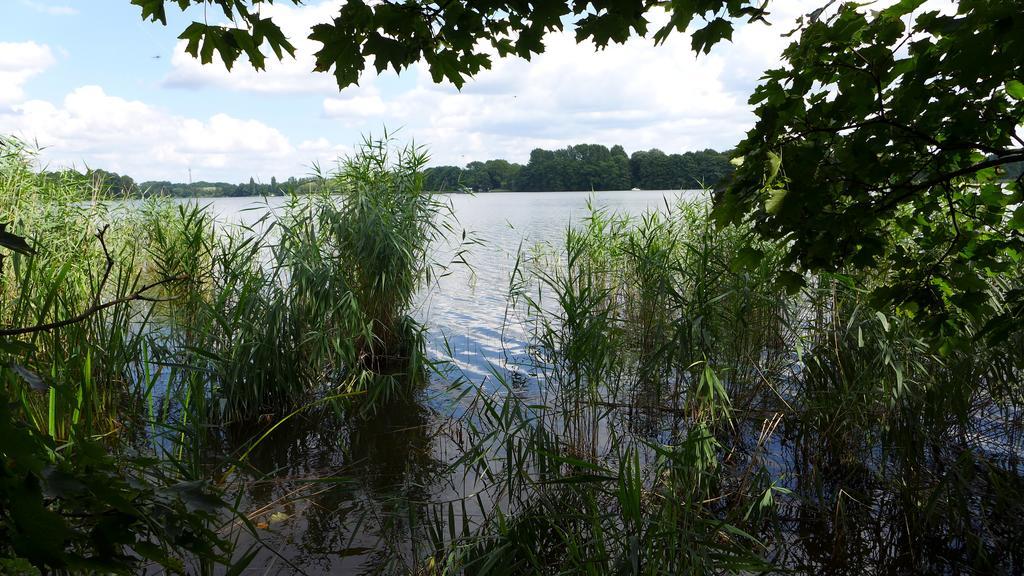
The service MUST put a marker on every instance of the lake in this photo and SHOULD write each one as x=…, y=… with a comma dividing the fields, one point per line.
x=335, y=499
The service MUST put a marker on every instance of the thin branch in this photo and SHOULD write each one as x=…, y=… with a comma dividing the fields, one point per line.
x=109, y=264
x=95, y=308
x=97, y=305
x=909, y=189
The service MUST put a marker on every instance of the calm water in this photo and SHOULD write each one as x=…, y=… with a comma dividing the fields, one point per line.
x=334, y=499
x=348, y=495
x=465, y=308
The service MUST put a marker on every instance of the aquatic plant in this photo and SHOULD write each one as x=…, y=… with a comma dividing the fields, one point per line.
x=698, y=417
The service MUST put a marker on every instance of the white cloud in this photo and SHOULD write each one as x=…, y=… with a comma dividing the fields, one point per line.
x=52, y=10
x=128, y=136
x=637, y=94
x=20, y=61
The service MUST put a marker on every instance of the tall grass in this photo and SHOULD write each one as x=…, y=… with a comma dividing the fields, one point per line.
x=313, y=300
x=76, y=322
x=693, y=416
x=79, y=261
x=699, y=418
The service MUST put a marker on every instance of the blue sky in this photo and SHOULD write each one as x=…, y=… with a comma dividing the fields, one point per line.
x=95, y=85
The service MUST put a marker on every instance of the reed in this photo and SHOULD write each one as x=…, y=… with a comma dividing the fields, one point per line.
x=694, y=416
x=697, y=417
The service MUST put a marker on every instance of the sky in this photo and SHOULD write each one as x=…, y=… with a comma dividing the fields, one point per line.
x=95, y=86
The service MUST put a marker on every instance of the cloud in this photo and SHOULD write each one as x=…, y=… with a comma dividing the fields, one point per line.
x=128, y=136
x=50, y=9
x=20, y=61
x=637, y=94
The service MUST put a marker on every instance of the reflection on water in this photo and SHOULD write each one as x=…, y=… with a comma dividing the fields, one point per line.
x=344, y=498
x=355, y=495
x=332, y=497
x=468, y=307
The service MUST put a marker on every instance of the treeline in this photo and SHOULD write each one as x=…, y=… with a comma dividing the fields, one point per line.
x=586, y=167
x=124, y=186
x=251, y=188
x=579, y=167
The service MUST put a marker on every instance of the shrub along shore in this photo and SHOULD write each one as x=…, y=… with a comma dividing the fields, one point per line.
x=693, y=415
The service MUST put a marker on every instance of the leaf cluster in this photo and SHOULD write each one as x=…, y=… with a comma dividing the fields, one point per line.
x=247, y=36
x=455, y=38
x=883, y=143
x=75, y=508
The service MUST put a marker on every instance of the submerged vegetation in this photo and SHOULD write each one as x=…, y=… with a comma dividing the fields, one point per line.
x=696, y=418
x=130, y=329
x=680, y=408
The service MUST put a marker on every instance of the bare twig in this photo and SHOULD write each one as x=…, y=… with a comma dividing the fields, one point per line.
x=97, y=305
x=85, y=314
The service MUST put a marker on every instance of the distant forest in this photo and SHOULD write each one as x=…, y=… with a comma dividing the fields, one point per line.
x=579, y=167
x=124, y=186
x=586, y=167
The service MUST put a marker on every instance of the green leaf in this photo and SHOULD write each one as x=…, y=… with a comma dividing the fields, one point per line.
x=717, y=30
x=1017, y=220
x=774, y=165
x=775, y=198
x=902, y=8
x=1015, y=88
x=746, y=258
x=884, y=321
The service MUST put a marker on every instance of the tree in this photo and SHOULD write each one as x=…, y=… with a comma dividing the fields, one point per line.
x=442, y=178
x=879, y=143
x=503, y=173
x=654, y=170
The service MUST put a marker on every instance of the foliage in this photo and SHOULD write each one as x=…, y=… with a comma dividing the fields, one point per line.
x=881, y=143
x=586, y=167
x=228, y=42
x=70, y=500
x=579, y=167
x=476, y=176
x=74, y=508
x=114, y=185
x=203, y=189
x=455, y=39
x=655, y=170
x=384, y=229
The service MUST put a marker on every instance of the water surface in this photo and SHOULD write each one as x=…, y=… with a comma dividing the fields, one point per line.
x=334, y=499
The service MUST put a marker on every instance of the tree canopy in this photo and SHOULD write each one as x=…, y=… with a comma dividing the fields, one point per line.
x=454, y=38
x=882, y=141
